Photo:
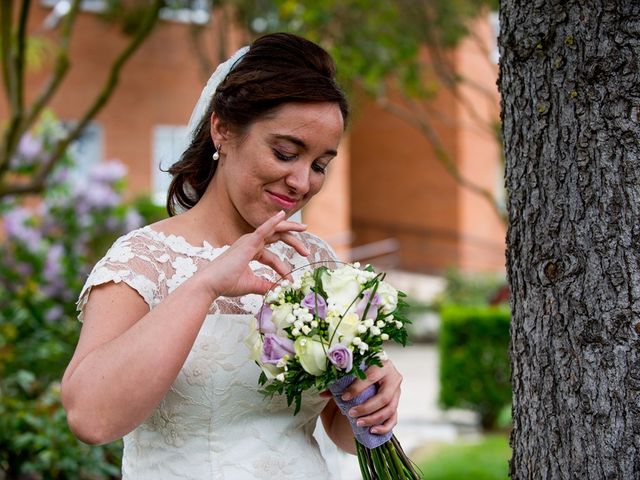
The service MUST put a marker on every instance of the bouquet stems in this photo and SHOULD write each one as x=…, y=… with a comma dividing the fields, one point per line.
x=386, y=462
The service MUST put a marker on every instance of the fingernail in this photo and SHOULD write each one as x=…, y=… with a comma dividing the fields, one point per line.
x=352, y=412
x=374, y=430
x=346, y=397
x=360, y=423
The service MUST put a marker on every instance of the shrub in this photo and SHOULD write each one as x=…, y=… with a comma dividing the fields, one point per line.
x=46, y=254
x=469, y=289
x=474, y=363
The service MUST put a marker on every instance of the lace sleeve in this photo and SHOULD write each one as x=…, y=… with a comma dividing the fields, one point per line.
x=134, y=260
x=320, y=250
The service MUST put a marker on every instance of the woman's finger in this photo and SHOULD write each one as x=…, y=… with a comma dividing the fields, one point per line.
x=374, y=374
x=386, y=426
x=296, y=243
x=272, y=260
x=268, y=228
x=289, y=226
x=385, y=396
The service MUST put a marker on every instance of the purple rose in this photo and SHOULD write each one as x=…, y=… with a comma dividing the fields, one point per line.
x=275, y=347
x=341, y=357
x=265, y=324
x=374, y=303
x=316, y=304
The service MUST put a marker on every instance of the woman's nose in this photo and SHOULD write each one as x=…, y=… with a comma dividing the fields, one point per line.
x=298, y=178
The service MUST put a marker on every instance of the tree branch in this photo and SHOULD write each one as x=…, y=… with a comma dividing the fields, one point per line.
x=38, y=181
x=60, y=69
x=20, y=122
x=6, y=14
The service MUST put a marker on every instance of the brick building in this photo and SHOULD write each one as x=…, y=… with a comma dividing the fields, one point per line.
x=386, y=183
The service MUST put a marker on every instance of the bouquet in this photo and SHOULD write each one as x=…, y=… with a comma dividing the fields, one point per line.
x=324, y=330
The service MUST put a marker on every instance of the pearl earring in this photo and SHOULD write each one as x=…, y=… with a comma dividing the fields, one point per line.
x=216, y=154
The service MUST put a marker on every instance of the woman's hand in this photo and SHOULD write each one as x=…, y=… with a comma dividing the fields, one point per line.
x=381, y=411
x=230, y=274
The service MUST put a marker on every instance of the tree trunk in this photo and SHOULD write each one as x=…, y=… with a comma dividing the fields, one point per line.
x=570, y=84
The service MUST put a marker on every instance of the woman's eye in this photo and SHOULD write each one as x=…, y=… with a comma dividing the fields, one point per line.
x=281, y=156
x=319, y=168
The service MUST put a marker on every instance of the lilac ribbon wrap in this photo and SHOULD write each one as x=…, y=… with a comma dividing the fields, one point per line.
x=362, y=434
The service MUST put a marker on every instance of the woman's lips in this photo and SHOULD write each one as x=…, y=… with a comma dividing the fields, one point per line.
x=282, y=200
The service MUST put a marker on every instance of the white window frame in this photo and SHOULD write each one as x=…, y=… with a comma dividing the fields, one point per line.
x=168, y=142
x=197, y=12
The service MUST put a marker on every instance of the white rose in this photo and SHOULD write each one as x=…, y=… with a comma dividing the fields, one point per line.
x=388, y=297
x=254, y=342
x=281, y=314
x=342, y=287
x=311, y=354
x=345, y=329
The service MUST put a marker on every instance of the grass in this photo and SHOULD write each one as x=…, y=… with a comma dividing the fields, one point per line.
x=486, y=459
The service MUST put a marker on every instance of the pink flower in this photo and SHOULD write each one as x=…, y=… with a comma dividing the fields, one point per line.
x=341, y=357
x=274, y=348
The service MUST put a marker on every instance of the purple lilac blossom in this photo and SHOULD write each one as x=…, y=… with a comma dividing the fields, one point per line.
x=100, y=196
x=29, y=149
x=54, y=313
x=274, y=348
x=341, y=357
x=316, y=304
x=108, y=172
x=16, y=227
x=265, y=324
x=52, y=271
x=132, y=220
x=372, y=312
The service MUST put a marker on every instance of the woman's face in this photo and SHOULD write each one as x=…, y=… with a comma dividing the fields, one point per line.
x=279, y=163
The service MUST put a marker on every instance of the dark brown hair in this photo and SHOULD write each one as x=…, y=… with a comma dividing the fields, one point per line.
x=278, y=68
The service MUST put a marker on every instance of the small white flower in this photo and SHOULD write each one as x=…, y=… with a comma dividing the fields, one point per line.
x=384, y=337
x=305, y=329
x=314, y=324
x=368, y=323
x=356, y=341
x=280, y=377
x=383, y=356
x=361, y=328
x=295, y=332
x=290, y=318
x=375, y=331
x=363, y=347
x=298, y=324
x=380, y=324
x=398, y=324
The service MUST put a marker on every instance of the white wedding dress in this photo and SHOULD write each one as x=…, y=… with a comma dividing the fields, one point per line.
x=213, y=423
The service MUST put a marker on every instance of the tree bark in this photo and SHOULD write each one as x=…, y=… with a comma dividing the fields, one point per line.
x=570, y=85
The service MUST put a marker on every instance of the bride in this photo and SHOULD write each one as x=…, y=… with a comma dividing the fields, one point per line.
x=161, y=358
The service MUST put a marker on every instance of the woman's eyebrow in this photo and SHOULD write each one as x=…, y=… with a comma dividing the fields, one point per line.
x=300, y=143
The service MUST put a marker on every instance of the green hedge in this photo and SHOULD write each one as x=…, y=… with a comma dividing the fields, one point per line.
x=474, y=362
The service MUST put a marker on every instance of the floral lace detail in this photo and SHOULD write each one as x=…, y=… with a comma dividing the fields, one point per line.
x=154, y=264
x=213, y=422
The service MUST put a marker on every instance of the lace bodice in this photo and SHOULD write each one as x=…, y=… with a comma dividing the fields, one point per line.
x=213, y=423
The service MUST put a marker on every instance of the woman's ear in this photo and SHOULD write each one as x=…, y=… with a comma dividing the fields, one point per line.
x=219, y=131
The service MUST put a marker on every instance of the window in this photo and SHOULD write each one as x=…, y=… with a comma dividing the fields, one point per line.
x=169, y=141
x=183, y=11
x=187, y=11
x=88, y=149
